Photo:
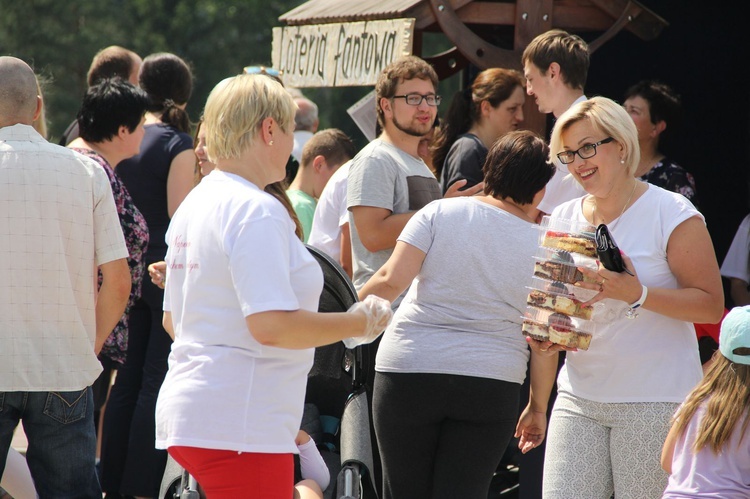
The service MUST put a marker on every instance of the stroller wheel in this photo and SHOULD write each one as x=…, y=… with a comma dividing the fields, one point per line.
x=173, y=489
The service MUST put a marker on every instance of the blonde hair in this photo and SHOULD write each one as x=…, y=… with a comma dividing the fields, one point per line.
x=607, y=117
x=235, y=110
x=725, y=390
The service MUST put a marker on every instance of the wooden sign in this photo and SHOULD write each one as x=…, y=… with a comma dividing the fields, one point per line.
x=339, y=54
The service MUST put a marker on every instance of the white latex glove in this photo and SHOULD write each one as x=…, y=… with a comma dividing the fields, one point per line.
x=379, y=314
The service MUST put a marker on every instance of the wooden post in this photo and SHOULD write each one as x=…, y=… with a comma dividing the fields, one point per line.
x=533, y=17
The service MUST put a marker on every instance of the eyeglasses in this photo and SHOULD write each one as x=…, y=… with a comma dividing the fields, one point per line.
x=416, y=99
x=262, y=70
x=586, y=151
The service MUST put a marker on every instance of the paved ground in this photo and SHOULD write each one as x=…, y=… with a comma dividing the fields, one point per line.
x=19, y=440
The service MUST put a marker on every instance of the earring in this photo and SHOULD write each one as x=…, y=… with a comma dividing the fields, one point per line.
x=622, y=161
x=270, y=142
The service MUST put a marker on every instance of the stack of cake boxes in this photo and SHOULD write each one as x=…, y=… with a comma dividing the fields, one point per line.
x=555, y=308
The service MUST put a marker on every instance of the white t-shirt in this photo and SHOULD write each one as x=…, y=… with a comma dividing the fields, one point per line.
x=233, y=253
x=652, y=358
x=58, y=222
x=462, y=314
x=331, y=214
x=562, y=187
x=300, y=139
x=736, y=262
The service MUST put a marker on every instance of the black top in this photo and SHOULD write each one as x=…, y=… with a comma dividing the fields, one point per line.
x=465, y=160
x=145, y=176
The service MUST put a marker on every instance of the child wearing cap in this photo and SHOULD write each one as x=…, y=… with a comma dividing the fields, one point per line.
x=706, y=452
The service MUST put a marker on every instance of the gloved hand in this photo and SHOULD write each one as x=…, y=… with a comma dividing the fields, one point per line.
x=379, y=314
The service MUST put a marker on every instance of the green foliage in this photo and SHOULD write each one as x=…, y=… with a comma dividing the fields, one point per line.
x=217, y=37
x=59, y=39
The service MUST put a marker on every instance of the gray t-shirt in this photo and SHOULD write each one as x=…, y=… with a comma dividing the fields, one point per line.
x=384, y=176
x=462, y=314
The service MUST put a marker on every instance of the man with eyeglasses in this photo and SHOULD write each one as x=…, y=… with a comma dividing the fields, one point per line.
x=555, y=65
x=388, y=181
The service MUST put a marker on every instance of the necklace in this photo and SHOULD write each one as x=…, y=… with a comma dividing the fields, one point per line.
x=593, y=211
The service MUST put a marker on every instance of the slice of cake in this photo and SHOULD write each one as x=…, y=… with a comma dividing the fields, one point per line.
x=561, y=331
x=578, y=243
x=561, y=267
x=534, y=330
x=559, y=303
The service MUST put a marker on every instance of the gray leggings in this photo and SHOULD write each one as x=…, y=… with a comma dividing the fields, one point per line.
x=594, y=449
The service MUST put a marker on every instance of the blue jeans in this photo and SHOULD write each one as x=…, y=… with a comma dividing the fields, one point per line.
x=62, y=441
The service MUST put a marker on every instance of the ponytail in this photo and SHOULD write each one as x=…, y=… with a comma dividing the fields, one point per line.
x=493, y=85
x=175, y=116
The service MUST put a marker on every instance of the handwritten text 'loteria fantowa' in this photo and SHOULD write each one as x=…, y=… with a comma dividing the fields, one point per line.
x=339, y=54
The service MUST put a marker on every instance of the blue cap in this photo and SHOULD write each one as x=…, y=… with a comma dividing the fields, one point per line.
x=734, y=339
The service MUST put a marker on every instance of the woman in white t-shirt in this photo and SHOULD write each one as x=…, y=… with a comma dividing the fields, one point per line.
x=240, y=300
x=449, y=369
x=615, y=400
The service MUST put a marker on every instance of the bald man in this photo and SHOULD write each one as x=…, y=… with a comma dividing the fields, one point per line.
x=58, y=224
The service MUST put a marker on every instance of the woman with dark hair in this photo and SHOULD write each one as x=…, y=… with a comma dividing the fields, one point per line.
x=449, y=368
x=158, y=179
x=477, y=117
x=110, y=124
x=110, y=127
x=656, y=111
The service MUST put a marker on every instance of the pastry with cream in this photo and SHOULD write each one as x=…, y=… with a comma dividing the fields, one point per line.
x=577, y=243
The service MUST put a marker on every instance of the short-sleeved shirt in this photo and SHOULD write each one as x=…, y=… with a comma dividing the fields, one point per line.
x=462, y=314
x=737, y=262
x=331, y=214
x=145, y=175
x=725, y=475
x=465, y=160
x=562, y=187
x=233, y=253
x=135, y=230
x=301, y=137
x=670, y=176
x=304, y=208
x=384, y=176
x=58, y=222
x=652, y=358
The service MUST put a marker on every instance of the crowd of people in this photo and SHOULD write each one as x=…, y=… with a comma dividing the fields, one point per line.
x=160, y=298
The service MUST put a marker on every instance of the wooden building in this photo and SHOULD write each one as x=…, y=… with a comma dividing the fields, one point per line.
x=484, y=33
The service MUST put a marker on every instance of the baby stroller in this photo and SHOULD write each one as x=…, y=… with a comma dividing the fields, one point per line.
x=337, y=389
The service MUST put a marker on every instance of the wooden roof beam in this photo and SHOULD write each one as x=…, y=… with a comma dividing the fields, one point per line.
x=571, y=16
